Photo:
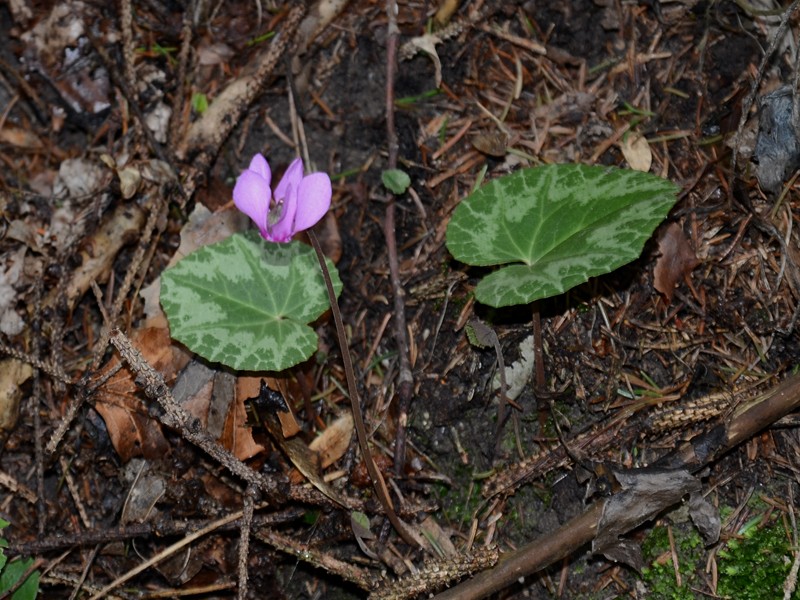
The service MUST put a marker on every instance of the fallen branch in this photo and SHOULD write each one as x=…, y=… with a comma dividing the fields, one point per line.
x=693, y=455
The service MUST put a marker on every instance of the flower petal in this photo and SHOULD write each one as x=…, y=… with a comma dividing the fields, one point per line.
x=313, y=200
x=283, y=229
x=260, y=165
x=252, y=195
x=291, y=178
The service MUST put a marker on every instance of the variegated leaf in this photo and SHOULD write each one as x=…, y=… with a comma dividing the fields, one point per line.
x=560, y=224
x=246, y=303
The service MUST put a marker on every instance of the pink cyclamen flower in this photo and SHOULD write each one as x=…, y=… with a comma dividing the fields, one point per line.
x=298, y=202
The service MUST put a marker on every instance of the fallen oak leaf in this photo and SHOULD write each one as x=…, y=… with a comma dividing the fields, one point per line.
x=676, y=262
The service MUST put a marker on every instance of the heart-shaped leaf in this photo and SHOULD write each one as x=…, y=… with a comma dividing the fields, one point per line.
x=559, y=224
x=246, y=302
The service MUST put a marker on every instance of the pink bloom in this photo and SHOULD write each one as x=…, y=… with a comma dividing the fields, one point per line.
x=298, y=202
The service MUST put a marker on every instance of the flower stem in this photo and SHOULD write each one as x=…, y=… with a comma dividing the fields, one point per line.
x=355, y=401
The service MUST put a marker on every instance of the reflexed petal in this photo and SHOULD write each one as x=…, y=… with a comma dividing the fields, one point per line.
x=260, y=165
x=252, y=195
x=284, y=229
x=313, y=200
x=292, y=178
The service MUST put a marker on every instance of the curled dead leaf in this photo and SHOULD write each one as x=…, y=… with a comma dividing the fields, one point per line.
x=334, y=441
x=636, y=151
x=676, y=262
x=13, y=373
x=494, y=143
x=645, y=493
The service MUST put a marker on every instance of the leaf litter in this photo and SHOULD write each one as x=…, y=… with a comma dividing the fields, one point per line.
x=627, y=374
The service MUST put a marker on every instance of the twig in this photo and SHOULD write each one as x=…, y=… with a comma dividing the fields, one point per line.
x=73, y=491
x=405, y=380
x=244, y=539
x=361, y=431
x=313, y=556
x=128, y=51
x=177, y=120
x=85, y=573
x=166, y=553
x=59, y=541
x=178, y=418
x=156, y=209
x=52, y=370
x=436, y=574
x=16, y=487
x=41, y=506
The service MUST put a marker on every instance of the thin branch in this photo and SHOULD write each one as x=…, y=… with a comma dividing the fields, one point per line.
x=405, y=381
x=244, y=539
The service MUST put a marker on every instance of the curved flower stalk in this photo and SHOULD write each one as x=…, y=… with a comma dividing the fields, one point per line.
x=298, y=203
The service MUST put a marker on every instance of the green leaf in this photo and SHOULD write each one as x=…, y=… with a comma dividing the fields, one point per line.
x=246, y=302
x=199, y=103
x=12, y=574
x=361, y=525
x=396, y=181
x=558, y=225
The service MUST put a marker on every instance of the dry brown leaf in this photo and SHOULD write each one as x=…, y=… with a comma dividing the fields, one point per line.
x=494, y=143
x=636, y=151
x=210, y=396
x=334, y=441
x=20, y=138
x=237, y=435
x=99, y=252
x=295, y=448
x=13, y=373
x=676, y=262
x=131, y=429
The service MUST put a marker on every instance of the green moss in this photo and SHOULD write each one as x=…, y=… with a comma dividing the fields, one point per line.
x=750, y=567
x=660, y=576
x=459, y=501
x=756, y=565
